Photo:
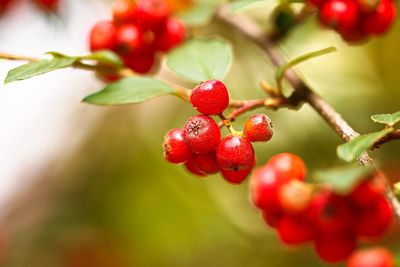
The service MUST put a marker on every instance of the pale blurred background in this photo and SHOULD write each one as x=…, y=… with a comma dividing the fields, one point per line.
x=86, y=186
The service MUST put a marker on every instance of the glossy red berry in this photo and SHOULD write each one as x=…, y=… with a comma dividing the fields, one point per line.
x=341, y=15
x=258, y=128
x=374, y=220
x=288, y=166
x=355, y=35
x=207, y=163
x=272, y=217
x=141, y=62
x=175, y=148
x=294, y=230
x=334, y=248
x=103, y=36
x=237, y=177
x=330, y=213
x=379, y=21
x=235, y=153
x=264, y=187
x=172, y=35
x=124, y=11
x=201, y=133
x=210, y=97
x=129, y=38
x=294, y=197
x=373, y=257
x=152, y=14
x=192, y=168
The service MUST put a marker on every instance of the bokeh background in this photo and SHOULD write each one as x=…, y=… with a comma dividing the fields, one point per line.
x=87, y=186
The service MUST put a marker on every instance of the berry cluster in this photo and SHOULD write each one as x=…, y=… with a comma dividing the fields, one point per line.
x=355, y=20
x=138, y=30
x=199, y=145
x=373, y=257
x=303, y=213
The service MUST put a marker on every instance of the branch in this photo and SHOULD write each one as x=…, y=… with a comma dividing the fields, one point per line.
x=251, y=31
x=395, y=135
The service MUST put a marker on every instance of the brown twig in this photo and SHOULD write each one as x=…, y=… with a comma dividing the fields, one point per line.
x=395, y=135
x=251, y=31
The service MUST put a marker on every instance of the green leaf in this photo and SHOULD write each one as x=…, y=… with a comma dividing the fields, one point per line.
x=344, y=179
x=351, y=150
x=106, y=57
x=280, y=73
x=130, y=90
x=388, y=119
x=201, y=59
x=38, y=67
x=236, y=5
x=201, y=13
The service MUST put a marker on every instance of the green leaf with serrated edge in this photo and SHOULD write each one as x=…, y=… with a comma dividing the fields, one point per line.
x=38, y=67
x=130, y=90
x=201, y=13
x=344, y=179
x=236, y=5
x=388, y=119
x=351, y=150
x=201, y=59
x=280, y=72
x=106, y=57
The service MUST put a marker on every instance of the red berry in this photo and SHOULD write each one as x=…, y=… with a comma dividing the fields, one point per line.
x=354, y=35
x=192, y=168
x=294, y=230
x=210, y=97
x=258, y=128
x=175, y=148
x=51, y=5
x=294, y=197
x=379, y=21
x=235, y=153
x=236, y=177
x=364, y=195
x=103, y=36
x=375, y=219
x=201, y=133
x=330, y=213
x=317, y=3
x=335, y=248
x=129, y=38
x=373, y=257
x=172, y=35
x=124, y=11
x=341, y=15
x=4, y=5
x=140, y=62
x=152, y=14
x=207, y=163
x=288, y=166
x=264, y=187
x=272, y=218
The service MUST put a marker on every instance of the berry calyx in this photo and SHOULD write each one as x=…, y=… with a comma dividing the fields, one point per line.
x=258, y=128
x=201, y=134
x=124, y=11
x=210, y=97
x=235, y=153
x=103, y=36
x=341, y=15
x=175, y=148
x=206, y=163
x=172, y=35
x=288, y=166
x=237, y=177
x=373, y=257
